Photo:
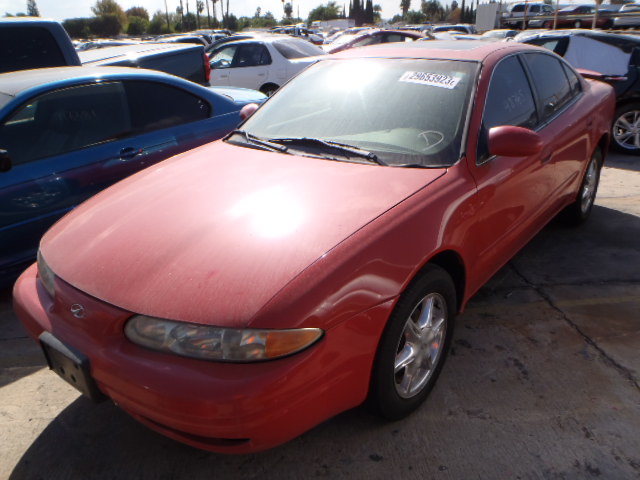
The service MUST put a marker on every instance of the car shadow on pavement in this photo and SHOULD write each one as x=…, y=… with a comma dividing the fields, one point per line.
x=623, y=162
x=101, y=441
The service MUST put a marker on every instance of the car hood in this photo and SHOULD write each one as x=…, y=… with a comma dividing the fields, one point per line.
x=239, y=95
x=213, y=234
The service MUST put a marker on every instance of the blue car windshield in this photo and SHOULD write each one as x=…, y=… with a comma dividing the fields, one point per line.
x=406, y=112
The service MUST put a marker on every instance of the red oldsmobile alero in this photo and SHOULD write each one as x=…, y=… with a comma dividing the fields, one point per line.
x=241, y=293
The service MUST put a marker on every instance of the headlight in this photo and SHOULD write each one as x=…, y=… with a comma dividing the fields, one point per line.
x=47, y=277
x=217, y=343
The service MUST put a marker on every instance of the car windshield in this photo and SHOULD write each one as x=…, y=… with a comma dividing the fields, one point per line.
x=402, y=112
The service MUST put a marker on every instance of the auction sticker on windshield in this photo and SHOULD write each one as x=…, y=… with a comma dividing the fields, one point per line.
x=433, y=79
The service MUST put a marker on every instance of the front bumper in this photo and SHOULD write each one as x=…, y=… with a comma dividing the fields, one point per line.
x=229, y=408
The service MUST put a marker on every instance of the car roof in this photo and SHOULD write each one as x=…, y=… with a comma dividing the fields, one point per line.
x=267, y=38
x=100, y=54
x=435, y=49
x=13, y=83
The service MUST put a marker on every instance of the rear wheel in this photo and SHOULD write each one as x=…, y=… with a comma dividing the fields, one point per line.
x=579, y=211
x=414, y=344
x=626, y=128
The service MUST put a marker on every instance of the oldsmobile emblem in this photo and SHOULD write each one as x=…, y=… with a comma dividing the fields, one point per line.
x=77, y=310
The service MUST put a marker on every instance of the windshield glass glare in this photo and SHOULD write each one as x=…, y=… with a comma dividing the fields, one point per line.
x=405, y=111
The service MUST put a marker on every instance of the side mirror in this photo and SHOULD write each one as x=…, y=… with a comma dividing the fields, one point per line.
x=510, y=141
x=248, y=110
x=5, y=161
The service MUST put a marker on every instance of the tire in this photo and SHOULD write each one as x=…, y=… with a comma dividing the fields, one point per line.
x=578, y=212
x=414, y=345
x=625, y=131
x=577, y=24
x=269, y=89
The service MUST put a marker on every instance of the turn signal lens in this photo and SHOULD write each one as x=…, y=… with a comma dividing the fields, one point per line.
x=217, y=343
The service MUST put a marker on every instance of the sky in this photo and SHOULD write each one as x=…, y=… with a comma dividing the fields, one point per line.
x=64, y=9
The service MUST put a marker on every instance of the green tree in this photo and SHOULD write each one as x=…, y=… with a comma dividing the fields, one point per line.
x=110, y=10
x=78, y=27
x=107, y=25
x=137, y=25
x=158, y=24
x=199, y=10
x=32, y=8
x=432, y=10
x=368, y=12
x=404, y=7
x=377, y=13
x=415, y=17
x=189, y=22
x=330, y=11
x=288, y=10
x=138, y=12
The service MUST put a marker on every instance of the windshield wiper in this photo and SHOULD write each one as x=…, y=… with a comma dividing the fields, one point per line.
x=254, y=141
x=350, y=150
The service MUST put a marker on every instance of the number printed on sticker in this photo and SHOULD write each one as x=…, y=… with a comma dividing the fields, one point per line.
x=432, y=79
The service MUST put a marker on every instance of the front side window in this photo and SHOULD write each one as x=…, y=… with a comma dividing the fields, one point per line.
x=223, y=57
x=405, y=111
x=550, y=81
x=155, y=106
x=509, y=102
x=66, y=120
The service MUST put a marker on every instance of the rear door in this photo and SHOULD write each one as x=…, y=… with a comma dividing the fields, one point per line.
x=251, y=66
x=564, y=121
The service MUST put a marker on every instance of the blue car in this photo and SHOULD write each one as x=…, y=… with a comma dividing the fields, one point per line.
x=68, y=132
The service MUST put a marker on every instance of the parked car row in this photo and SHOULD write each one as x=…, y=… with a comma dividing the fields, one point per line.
x=542, y=15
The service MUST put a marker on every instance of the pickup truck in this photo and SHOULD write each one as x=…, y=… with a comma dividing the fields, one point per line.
x=27, y=43
x=184, y=60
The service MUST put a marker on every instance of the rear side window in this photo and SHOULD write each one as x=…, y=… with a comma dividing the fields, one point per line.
x=66, y=120
x=251, y=55
x=154, y=106
x=23, y=49
x=574, y=81
x=296, y=49
x=551, y=82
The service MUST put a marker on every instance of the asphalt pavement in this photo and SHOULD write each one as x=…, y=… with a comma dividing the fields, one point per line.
x=543, y=382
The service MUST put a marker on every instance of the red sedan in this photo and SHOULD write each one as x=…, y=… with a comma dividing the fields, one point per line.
x=241, y=293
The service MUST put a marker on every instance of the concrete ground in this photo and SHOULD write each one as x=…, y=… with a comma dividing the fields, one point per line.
x=543, y=383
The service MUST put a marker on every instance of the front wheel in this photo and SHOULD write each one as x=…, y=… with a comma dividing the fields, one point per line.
x=414, y=344
x=578, y=212
x=626, y=129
